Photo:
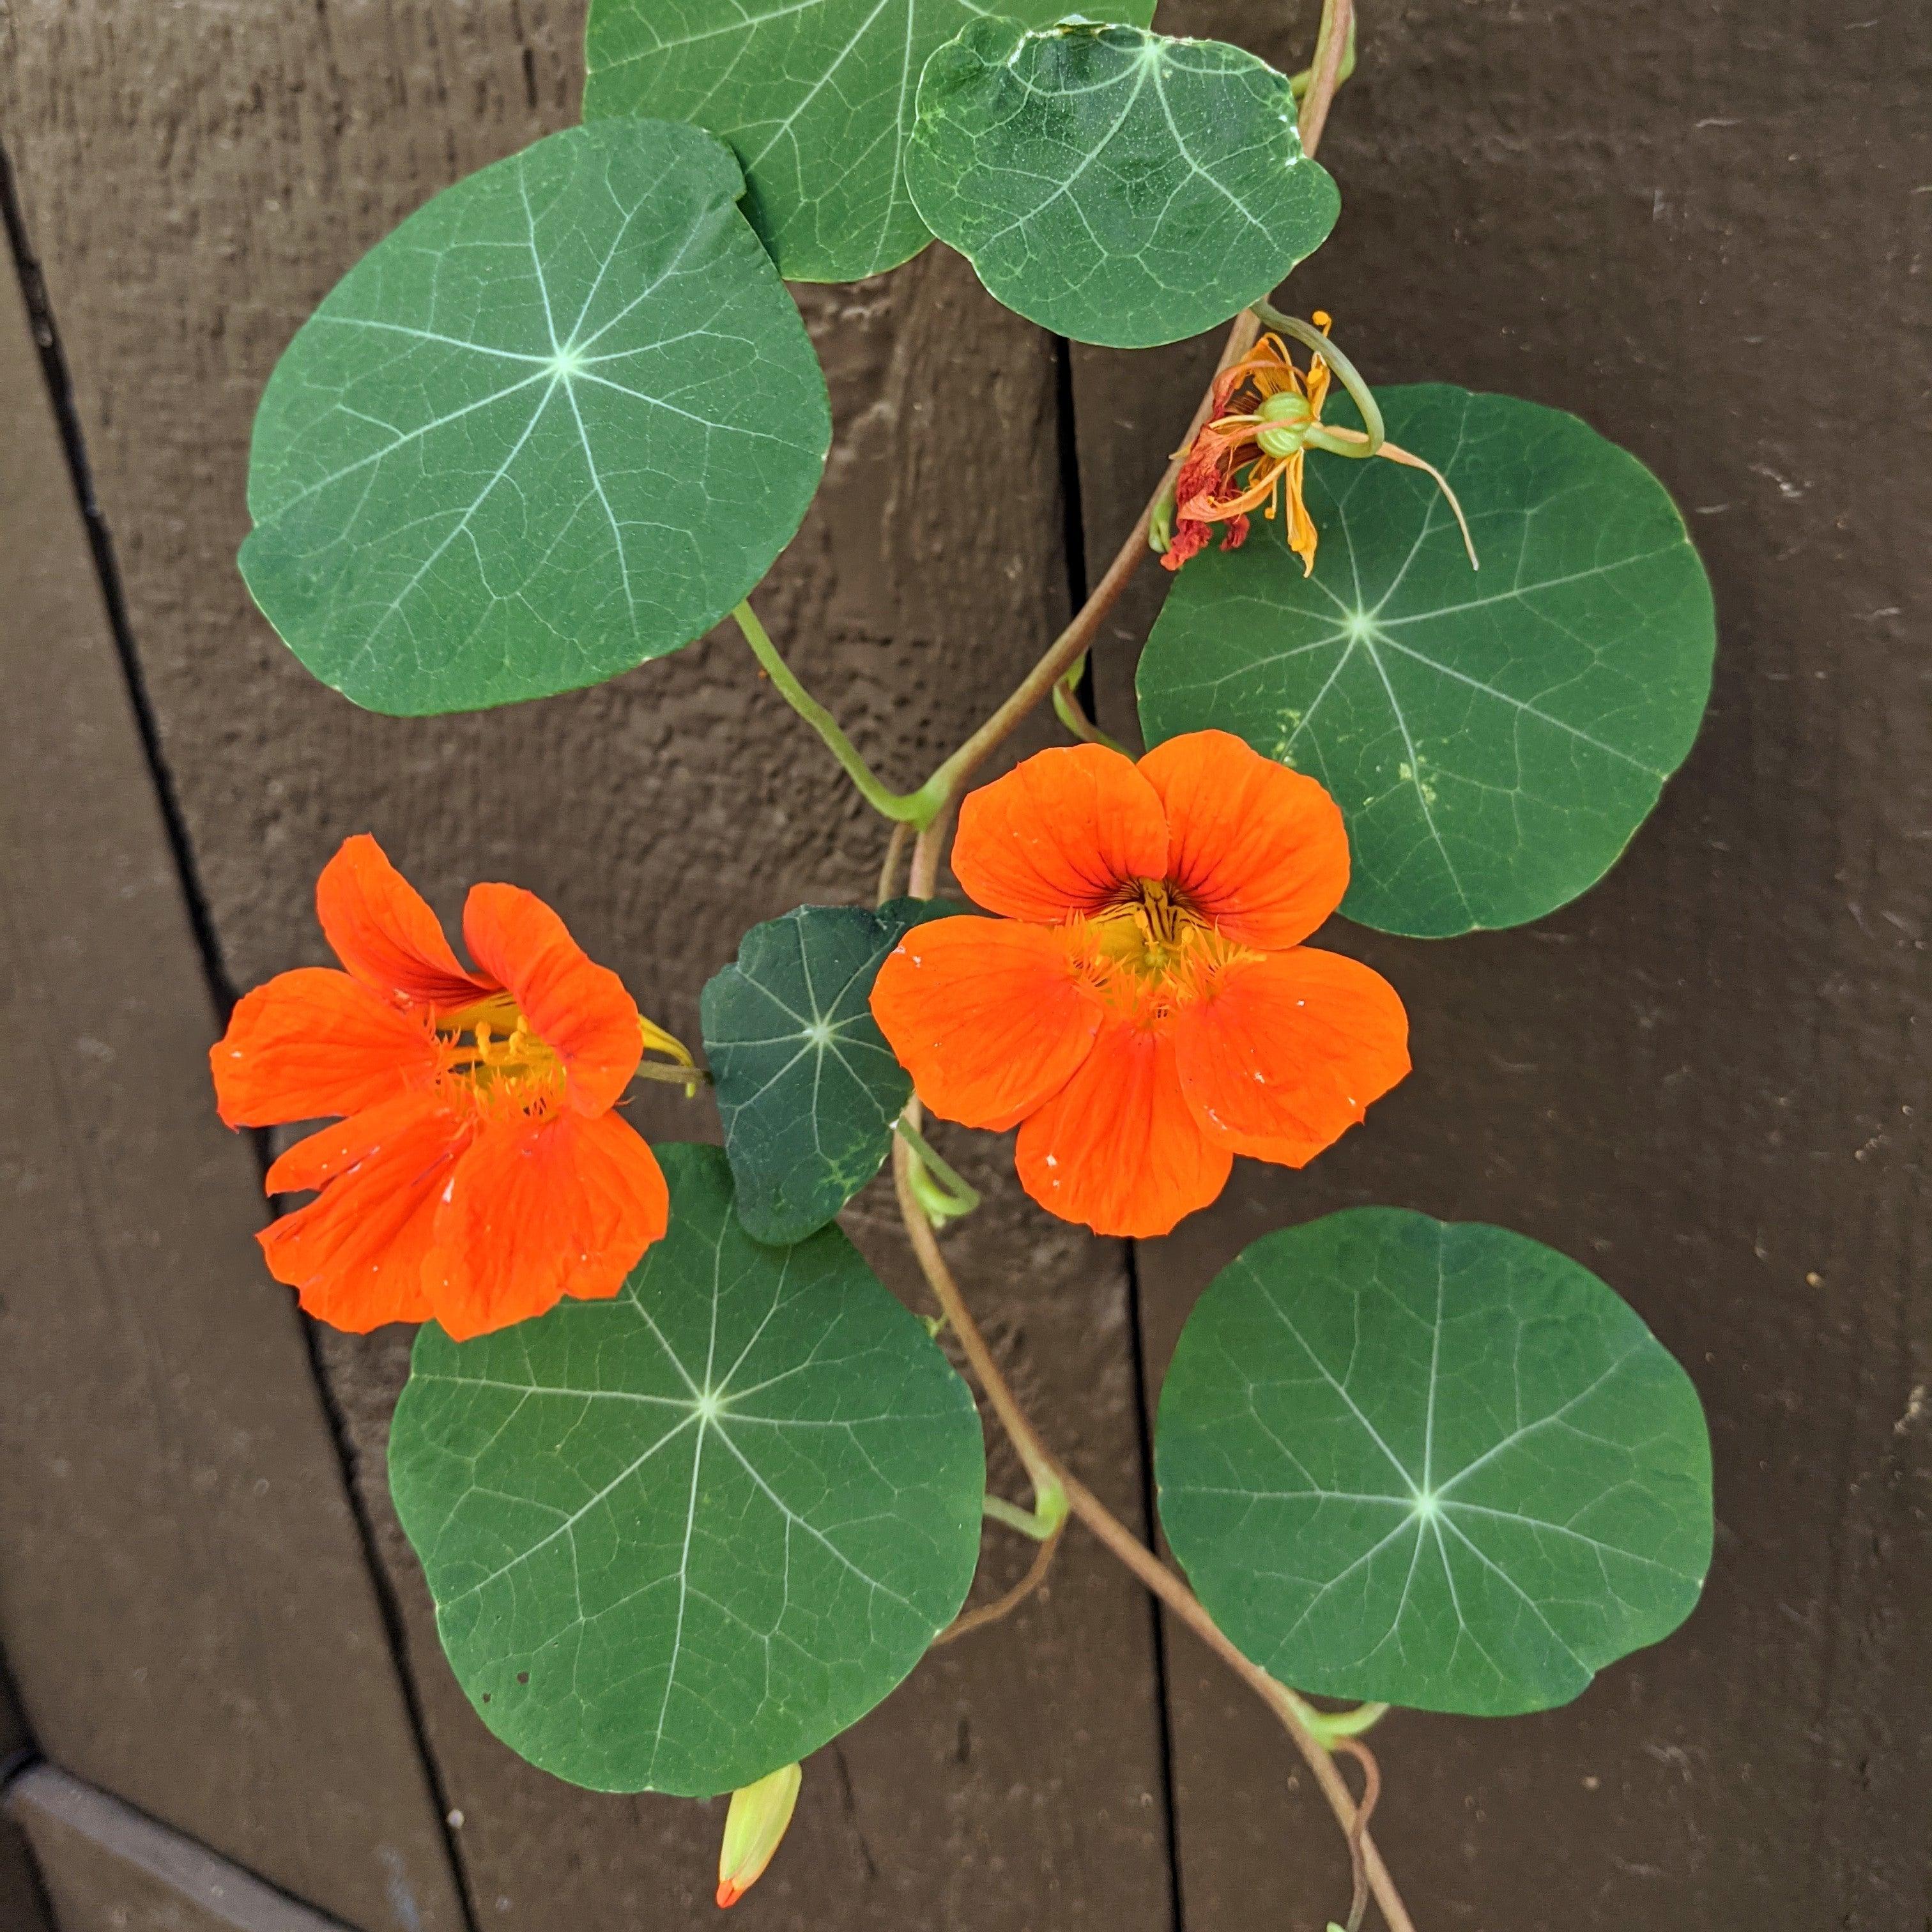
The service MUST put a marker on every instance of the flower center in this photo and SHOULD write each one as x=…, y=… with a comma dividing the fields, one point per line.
x=1154, y=953
x=495, y=1058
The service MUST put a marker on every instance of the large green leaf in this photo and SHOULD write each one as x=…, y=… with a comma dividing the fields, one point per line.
x=808, y=1089
x=1493, y=738
x=680, y=1538
x=560, y=422
x=1432, y=1465
x=816, y=96
x=1114, y=185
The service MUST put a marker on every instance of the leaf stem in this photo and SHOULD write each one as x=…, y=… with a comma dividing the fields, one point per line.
x=916, y=808
x=1334, y=60
x=983, y=1614
x=1360, y=394
x=1331, y=1726
x=1371, y=1792
x=1042, y=1523
x=945, y=1194
x=1300, y=82
x=888, y=867
x=1071, y=713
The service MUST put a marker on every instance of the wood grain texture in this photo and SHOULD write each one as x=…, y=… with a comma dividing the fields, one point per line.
x=1707, y=1079
x=109, y=1869
x=185, y=1600
x=196, y=177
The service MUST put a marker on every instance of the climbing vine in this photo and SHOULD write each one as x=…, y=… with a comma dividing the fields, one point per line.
x=691, y=1490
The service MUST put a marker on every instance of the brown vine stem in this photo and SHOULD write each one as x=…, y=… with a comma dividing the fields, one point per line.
x=1005, y=1605
x=1332, y=44
x=1122, y=1543
x=889, y=868
x=1371, y=1792
x=1045, y=1467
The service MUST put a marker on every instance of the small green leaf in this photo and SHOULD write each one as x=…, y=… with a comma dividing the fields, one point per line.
x=560, y=422
x=1114, y=185
x=1439, y=1465
x=816, y=97
x=1494, y=738
x=808, y=1089
x=680, y=1538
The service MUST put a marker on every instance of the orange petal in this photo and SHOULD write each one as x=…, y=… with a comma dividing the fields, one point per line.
x=315, y=1042
x=539, y=1209
x=383, y=930
x=1286, y=1053
x=579, y=1009
x=1060, y=834
x=1259, y=849
x=1205, y=474
x=357, y=1254
x=1190, y=538
x=1301, y=536
x=334, y=1151
x=988, y=1016
x=1117, y=1147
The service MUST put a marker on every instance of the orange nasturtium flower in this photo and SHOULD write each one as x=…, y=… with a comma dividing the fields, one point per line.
x=1143, y=1009
x=481, y=1174
x=1264, y=416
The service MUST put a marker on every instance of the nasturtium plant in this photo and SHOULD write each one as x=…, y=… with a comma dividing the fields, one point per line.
x=1494, y=738
x=1435, y=1465
x=691, y=1490
x=808, y=1089
x=816, y=97
x=1115, y=185
x=560, y=422
x=680, y=1538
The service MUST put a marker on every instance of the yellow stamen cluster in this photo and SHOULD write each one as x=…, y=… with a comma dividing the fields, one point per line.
x=1154, y=953
x=496, y=1057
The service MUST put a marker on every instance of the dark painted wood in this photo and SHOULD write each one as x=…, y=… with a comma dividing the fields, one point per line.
x=196, y=177
x=1704, y=229
x=185, y=1603
x=109, y=1869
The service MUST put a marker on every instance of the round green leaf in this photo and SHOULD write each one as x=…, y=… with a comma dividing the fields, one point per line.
x=816, y=97
x=1114, y=185
x=1494, y=738
x=680, y=1538
x=560, y=422
x=1432, y=1465
x=808, y=1089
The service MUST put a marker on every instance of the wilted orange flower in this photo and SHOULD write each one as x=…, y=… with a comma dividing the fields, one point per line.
x=1143, y=1010
x=1264, y=416
x=1228, y=471
x=480, y=1174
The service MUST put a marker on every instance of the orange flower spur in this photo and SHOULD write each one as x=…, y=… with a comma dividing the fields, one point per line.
x=1264, y=416
x=480, y=1174
x=1143, y=1010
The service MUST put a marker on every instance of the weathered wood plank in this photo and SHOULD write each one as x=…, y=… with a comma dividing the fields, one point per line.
x=186, y=1605
x=197, y=176
x=109, y=1869
x=1708, y=1079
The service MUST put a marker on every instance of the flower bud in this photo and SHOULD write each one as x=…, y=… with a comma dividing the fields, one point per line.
x=753, y=1826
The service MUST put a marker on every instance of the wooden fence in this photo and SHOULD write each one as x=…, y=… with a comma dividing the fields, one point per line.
x=1702, y=226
